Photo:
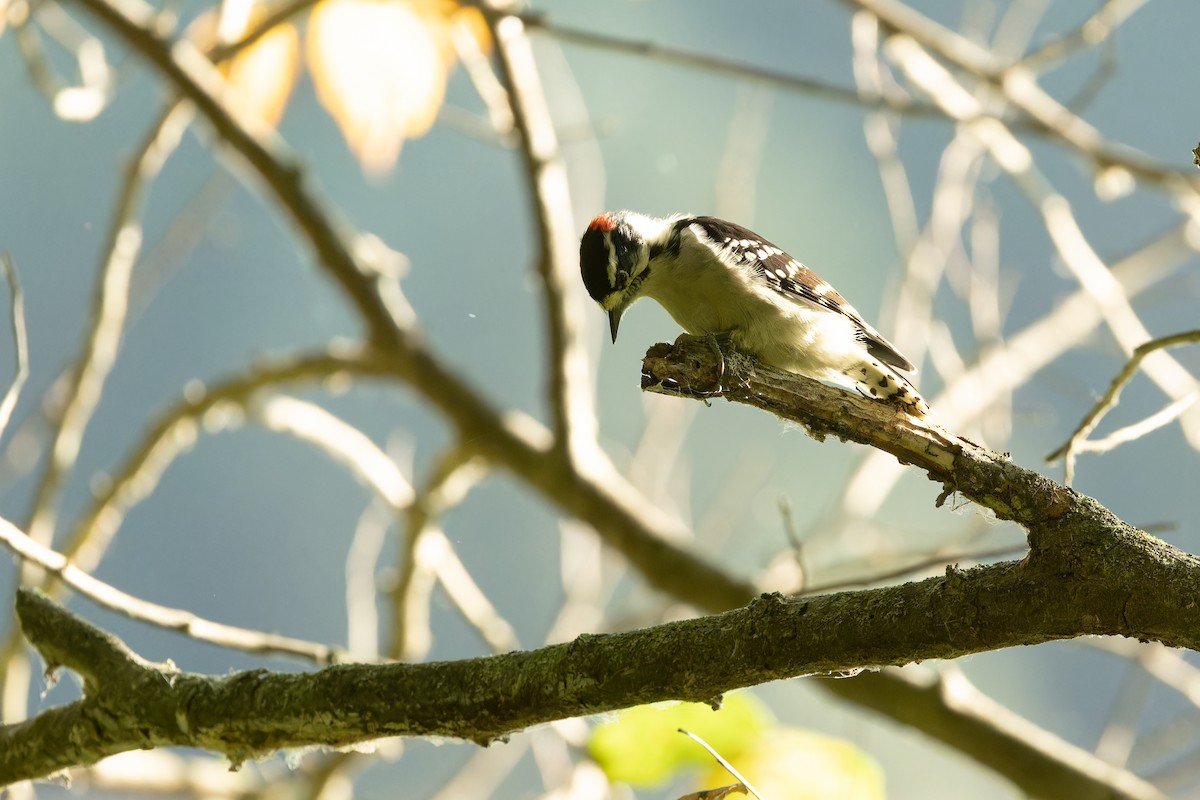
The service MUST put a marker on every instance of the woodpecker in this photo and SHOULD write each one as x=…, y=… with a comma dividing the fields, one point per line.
x=718, y=278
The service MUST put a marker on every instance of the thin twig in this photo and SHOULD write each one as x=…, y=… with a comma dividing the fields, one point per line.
x=1113, y=395
x=1096, y=29
x=1057, y=215
x=362, y=584
x=454, y=475
x=722, y=66
x=1164, y=416
x=337, y=438
x=723, y=762
x=16, y=310
x=110, y=304
x=912, y=567
x=1019, y=88
x=78, y=103
x=176, y=619
x=210, y=409
x=568, y=387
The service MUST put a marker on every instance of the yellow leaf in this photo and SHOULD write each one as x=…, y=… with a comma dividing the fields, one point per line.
x=471, y=20
x=792, y=764
x=380, y=70
x=262, y=75
x=644, y=747
x=260, y=78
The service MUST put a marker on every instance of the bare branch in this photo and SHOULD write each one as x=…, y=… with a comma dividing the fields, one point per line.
x=689, y=368
x=16, y=309
x=1057, y=215
x=1113, y=395
x=567, y=386
x=911, y=568
x=1097, y=28
x=455, y=473
x=1164, y=416
x=211, y=408
x=175, y=619
x=709, y=63
x=247, y=715
x=952, y=711
x=1020, y=89
x=109, y=310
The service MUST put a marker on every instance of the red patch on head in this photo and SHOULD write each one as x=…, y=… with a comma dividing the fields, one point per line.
x=604, y=222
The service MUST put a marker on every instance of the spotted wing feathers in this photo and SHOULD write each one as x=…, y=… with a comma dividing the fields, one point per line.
x=797, y=282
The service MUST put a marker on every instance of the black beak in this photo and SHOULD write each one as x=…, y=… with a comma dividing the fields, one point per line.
x=614, y=320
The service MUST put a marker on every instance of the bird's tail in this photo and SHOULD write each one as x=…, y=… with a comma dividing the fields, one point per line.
x=881, y=382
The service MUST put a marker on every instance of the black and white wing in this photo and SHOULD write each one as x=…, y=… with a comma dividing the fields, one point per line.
x=795, y=281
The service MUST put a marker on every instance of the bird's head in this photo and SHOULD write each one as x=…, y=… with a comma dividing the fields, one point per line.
x=614, y=259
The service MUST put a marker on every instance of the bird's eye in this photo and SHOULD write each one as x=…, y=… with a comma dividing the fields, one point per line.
x=622, y=279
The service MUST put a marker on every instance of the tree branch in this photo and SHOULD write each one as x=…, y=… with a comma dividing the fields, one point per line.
x=952, y=711
x=1016, y=84
x=1112, y=396
x=568, y=387
x=130, y=703
x=895, y=101
x=1087, y=571
x=177, y=619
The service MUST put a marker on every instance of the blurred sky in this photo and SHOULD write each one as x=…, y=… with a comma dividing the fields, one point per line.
x=252, y=528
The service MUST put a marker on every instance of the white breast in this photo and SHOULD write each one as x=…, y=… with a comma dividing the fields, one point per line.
x=706, y=298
